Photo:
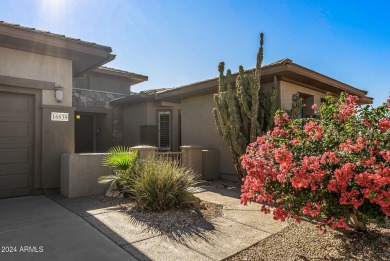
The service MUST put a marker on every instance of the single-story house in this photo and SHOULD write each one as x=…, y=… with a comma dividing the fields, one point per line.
x=53, y=88
x=191, y=106
x=56, y=97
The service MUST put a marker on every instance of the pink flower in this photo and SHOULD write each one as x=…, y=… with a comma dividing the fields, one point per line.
x=314, y=106
x=384, y=125
x=313, y=130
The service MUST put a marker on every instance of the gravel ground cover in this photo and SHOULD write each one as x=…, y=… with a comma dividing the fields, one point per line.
x=296, y=242
x=305, y=242
x=167, y=221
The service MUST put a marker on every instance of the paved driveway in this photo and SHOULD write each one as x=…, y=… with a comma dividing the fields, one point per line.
x=36, y=228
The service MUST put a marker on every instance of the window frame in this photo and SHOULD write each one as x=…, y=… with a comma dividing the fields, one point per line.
x=158, y=113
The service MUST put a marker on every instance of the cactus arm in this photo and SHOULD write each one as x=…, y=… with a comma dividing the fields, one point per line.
x=255, y=91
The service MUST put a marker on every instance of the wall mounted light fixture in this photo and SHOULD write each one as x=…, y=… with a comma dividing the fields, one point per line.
x=59, y=93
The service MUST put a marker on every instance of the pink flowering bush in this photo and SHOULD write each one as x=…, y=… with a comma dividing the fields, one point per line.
x=335, y=169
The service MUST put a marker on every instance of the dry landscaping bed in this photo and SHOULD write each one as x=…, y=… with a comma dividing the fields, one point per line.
x=168, y=221
x=296, y=242
x=306, y=242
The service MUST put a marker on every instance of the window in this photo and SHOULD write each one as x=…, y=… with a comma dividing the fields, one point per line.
x=164, y=130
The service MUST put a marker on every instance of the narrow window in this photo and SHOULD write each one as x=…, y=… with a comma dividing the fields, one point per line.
x=164, y=130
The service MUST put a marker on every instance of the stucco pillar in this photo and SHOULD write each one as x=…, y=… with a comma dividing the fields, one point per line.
x=192, y=157
x=145, y=151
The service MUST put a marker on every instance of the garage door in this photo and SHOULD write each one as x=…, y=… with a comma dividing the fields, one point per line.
x=16, y=144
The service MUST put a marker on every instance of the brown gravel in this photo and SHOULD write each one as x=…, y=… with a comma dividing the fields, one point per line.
x=167, y=221
x=306, y=242
x=296, y=242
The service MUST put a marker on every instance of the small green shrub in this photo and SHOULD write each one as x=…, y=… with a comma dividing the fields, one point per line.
x=120, y=158
x=124, y=163
x=162, y=184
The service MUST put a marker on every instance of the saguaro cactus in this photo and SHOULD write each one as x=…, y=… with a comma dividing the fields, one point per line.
x=243, y=114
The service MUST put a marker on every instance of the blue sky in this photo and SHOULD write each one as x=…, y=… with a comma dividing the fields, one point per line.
x=179, y=42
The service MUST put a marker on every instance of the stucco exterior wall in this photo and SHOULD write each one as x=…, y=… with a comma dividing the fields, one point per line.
x=198, y=128
x=20, y=64
x=287, y=89
x=134, y=116
x=100, y=83
x=137, y=115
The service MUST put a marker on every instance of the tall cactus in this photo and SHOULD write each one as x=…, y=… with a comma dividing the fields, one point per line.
x=243, y=114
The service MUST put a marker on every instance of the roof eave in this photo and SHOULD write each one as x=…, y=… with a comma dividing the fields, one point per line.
x=84, y=56
x=131, y=78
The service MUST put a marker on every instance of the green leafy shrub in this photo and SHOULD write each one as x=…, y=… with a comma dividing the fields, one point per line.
x=120, y=158
x=124, y=163
x=162, y=184
x=335, y=169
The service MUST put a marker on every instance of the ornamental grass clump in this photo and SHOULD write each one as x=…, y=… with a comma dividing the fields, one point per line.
x=335, y=169
x=162, y=184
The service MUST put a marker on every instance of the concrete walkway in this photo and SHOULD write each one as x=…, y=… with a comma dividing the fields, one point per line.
x=36, y=228
x=238, y=228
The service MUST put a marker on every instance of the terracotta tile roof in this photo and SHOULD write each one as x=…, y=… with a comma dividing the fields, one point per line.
x=50, y=34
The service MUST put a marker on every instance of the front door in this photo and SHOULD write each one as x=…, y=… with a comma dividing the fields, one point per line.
x=84, y=135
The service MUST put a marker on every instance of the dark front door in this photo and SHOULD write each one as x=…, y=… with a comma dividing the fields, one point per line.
x=84, y=133
x=16, y=144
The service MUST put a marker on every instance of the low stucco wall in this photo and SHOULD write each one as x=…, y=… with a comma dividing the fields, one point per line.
x=79, y=174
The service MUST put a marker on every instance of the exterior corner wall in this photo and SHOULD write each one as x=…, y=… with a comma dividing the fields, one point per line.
x=79, y=174
x=198, y=127
x=57, y=138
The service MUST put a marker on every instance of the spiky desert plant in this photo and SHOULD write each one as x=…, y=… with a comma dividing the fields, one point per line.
x=123, y=161
x=243, y=114
x=120, y=158
x=163, y=184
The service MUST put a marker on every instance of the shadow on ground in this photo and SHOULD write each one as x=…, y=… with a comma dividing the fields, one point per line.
x=173, y=224
x=128, y=227
x=369, y=245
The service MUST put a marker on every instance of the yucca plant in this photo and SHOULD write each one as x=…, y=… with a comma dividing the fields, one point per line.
x=162, y=184
x=123, y=161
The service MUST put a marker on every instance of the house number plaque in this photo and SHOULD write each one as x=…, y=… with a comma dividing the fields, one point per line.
x=59, y=116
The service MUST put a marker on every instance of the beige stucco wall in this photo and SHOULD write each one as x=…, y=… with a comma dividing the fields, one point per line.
x=153, y=107
x=106, y=84
x=145, y=113
x=287, y=89
x=20, y=64
x=198, y=128
x=134, y=116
